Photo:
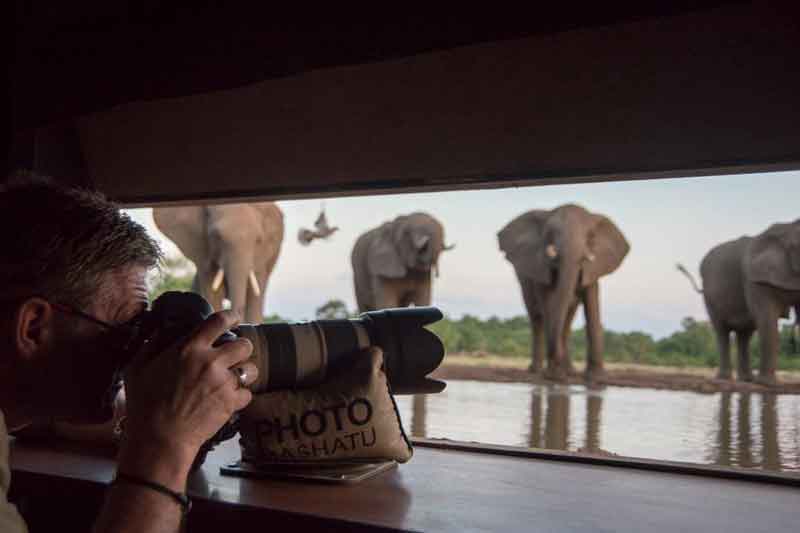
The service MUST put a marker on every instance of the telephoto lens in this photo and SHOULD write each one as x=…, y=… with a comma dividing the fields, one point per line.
x=298, y=355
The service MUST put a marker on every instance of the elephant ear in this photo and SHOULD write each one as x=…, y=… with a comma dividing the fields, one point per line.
x=383, y=257
x=522, y=240
x=608, y=247
x=186, y=226
x=774, y=257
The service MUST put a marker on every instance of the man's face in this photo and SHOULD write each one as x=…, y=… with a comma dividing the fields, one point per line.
x=78, y=370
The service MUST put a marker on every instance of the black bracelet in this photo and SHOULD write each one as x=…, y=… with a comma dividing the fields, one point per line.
x=181, y=498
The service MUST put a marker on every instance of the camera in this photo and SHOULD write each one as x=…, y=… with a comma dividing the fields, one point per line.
x=293, y=355
x=300, y=354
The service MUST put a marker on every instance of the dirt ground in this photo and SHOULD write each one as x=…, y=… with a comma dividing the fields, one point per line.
x=484, y=367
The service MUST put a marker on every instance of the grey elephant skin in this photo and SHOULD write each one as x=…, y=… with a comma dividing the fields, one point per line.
x=748, y=284
x=234, y=248
x=559, y=256
x=392, y=264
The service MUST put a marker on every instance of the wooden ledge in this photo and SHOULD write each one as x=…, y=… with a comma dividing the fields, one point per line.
x=438, y=490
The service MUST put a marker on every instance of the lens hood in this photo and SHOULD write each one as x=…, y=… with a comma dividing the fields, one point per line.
x=411, y=352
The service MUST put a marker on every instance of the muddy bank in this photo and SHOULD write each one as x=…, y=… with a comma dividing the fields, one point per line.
x=617, y=377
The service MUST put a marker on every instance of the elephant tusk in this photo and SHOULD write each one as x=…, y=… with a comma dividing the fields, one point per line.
x=590, y=258
x=551, y=251
x=254, y=283
x=217, y=280
x=449, y=246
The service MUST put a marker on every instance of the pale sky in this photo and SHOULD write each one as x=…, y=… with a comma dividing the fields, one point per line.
x=665, y=221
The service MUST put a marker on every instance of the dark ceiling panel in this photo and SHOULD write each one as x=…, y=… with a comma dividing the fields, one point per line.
x=698, y=93
x=72, y=58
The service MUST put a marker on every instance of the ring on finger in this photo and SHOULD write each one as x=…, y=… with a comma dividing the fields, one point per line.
x=241, y=375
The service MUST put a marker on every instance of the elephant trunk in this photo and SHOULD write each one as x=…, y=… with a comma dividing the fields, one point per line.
x=556, y=315
x=237, y=284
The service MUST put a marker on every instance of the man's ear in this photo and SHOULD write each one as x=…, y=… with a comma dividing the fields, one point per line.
x=33, y=326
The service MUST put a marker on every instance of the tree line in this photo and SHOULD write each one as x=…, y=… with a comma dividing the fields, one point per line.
x=692, y=345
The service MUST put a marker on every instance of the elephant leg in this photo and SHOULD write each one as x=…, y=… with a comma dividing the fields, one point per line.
x=594, y=332
x=537, y=327
x=422, y=293
x=539, y=346
x=769, y=343
x=565, y=335
x=406, y=300
x=724, y=344
x=767, y=312
x=386, y=294
x=743, y=370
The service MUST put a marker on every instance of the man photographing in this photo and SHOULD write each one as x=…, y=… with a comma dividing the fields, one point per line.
x=73, y=274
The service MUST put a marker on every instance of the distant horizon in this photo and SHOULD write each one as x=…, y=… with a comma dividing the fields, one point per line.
x=666, y=221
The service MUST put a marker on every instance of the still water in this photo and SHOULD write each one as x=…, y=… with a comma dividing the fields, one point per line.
x=739, y=429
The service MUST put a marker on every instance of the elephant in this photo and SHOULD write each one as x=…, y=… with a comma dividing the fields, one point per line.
x=559, y=255
x=748, y=284
x=392, y=263
x=234, y=247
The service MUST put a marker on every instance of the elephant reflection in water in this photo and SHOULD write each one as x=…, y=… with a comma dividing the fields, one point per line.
x=740, y=453
x=554, y=433
x=419, y=416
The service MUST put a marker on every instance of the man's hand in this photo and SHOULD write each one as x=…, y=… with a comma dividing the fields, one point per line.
x=178, y=399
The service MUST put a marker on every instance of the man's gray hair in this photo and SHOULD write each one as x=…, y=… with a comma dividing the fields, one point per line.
x=60, y=242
